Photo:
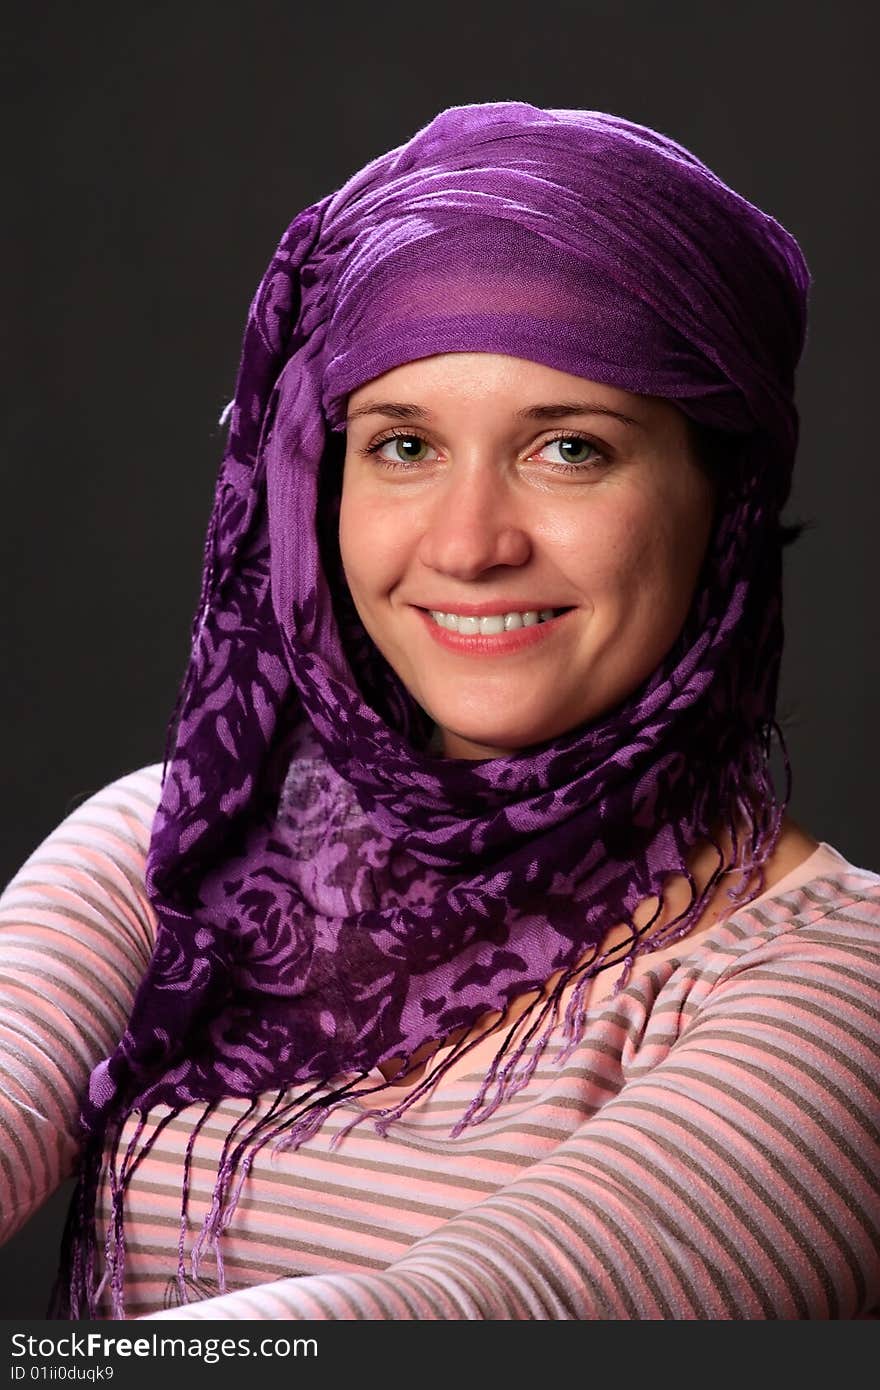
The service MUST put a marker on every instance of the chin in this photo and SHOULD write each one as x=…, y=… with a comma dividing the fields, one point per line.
x=494, y=741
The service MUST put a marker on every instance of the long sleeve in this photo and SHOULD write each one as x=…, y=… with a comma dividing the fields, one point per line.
x=735, y=1179
x=76, y=932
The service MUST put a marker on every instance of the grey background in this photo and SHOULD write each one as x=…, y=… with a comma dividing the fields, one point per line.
x=157, y=152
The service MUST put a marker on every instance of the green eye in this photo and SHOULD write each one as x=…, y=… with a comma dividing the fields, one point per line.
x=409, y=448
x=576, y=455
x=405, y=449
x=574, y=450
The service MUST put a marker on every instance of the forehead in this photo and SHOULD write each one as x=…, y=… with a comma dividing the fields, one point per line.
x=488, y=383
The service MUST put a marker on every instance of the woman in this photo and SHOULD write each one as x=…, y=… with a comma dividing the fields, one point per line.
x=474, y=974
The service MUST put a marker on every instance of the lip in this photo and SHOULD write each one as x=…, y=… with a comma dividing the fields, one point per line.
x=501, y=644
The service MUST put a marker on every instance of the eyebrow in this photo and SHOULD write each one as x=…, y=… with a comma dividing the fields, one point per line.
x=399, y=410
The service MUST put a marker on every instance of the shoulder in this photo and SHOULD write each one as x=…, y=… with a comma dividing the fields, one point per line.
x=836, y=891
x=116, y=820
x=133, y=795
x=86, y=877
x=114, y=815
x=821, y=935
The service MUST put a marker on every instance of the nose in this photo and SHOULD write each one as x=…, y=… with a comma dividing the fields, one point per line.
x=474, y=523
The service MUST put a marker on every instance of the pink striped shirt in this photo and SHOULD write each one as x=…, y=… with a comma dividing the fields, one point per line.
x=710, y=1150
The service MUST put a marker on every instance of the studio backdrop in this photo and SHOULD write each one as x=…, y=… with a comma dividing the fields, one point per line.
x=159, y=152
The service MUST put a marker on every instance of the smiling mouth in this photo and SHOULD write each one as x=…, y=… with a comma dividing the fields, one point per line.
x=485, y=635
x=492, y=624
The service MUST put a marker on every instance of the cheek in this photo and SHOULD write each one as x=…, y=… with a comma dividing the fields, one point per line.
x=350, y=534
x=347, y=531
x=351, y=542
x=609, y=545
x=369, y=543
x=638, y=551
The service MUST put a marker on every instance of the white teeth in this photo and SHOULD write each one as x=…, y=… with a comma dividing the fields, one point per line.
x=495, y=623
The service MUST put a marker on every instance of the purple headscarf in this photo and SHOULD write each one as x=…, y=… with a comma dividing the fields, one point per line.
x=570, y=238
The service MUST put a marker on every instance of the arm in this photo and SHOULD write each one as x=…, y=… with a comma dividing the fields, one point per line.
x=736, y=1179
x=76, y=933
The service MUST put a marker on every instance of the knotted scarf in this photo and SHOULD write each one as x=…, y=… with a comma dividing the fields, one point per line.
x=574, y=239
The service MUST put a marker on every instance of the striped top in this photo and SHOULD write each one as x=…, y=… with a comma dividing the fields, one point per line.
x=710, y=1150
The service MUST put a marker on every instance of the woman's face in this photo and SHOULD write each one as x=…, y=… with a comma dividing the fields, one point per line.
x=481, y=483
